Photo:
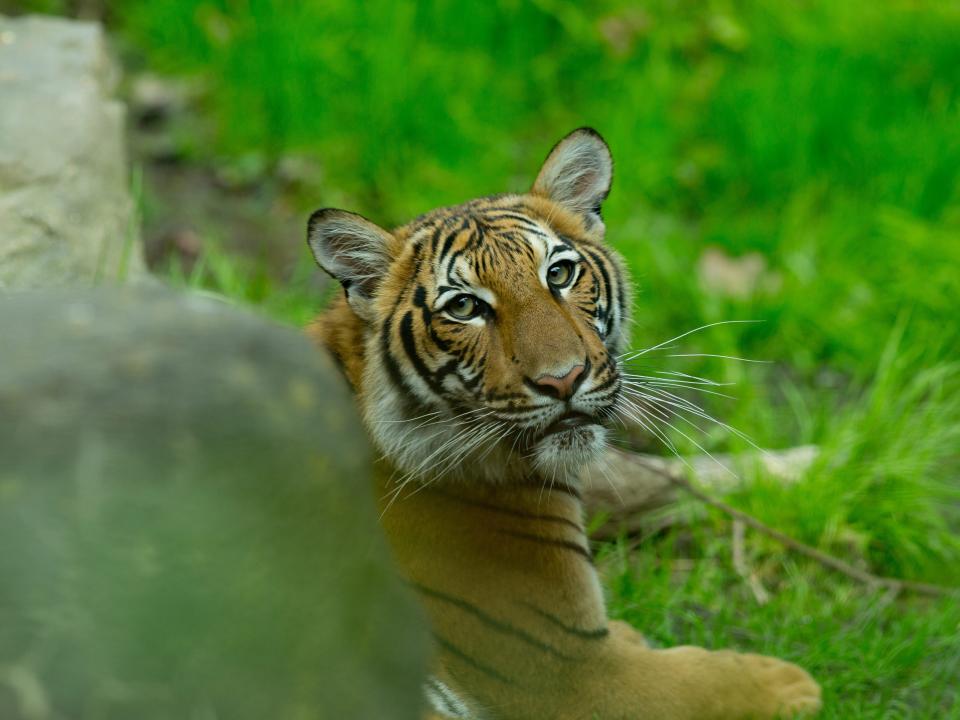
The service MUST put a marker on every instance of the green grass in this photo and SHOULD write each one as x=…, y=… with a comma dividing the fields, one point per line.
x=875, y=657
x=821, y=135
x=295, y=299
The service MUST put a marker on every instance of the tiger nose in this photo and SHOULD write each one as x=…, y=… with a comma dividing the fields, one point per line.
x=560, y=387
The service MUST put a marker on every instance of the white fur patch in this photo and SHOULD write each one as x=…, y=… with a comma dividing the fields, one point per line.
x=445, y=702
x=562, y=455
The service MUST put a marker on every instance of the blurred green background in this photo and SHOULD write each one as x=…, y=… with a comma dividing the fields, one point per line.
x=791, y=162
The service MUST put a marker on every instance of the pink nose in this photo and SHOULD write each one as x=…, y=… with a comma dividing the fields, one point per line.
x=559, y=387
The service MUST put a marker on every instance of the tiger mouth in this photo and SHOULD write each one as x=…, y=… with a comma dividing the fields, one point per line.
x=567, y=422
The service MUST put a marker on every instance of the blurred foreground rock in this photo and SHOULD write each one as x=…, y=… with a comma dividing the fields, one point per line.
x=66, y=214
x=186, y=527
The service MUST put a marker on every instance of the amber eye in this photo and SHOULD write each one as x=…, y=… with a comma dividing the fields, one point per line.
x=561, y=274
x=464, y=307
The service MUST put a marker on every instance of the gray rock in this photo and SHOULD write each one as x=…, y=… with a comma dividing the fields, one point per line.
x=186, y=521
x=66, y=214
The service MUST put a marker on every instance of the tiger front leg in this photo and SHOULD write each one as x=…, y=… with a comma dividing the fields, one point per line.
x=691, y=683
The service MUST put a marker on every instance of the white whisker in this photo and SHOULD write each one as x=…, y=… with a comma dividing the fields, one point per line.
x=723, y=357
x=638, y=353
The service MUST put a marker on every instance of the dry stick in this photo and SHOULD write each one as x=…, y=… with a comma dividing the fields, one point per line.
x=893, y=584
x=760, y=593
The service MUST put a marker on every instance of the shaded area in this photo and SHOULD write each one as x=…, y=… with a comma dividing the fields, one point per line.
x=186, y=528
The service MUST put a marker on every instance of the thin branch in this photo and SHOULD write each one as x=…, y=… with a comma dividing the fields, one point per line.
x=893, y=585
x=760, y=593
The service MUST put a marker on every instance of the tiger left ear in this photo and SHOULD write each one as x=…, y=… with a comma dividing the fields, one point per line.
x=577, y=173
x=355, y=251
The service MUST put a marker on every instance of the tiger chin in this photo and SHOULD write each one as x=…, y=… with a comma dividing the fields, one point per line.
x=482, y=342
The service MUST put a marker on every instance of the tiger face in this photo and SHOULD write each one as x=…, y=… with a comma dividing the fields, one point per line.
x=483, y=338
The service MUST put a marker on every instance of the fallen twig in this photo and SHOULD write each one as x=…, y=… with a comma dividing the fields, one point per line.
x=760, y=593
x=634, y=491
x=893, y=585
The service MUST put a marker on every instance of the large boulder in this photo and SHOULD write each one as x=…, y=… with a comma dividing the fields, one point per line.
x=66, y=214
x=186, y=522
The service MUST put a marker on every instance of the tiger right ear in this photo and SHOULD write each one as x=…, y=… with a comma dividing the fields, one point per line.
x=353, y=250
x=577, y=174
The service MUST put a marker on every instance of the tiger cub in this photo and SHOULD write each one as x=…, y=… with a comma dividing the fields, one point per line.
x=482, y=343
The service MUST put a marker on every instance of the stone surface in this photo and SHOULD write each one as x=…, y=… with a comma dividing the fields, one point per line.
x=66, y=214
x=186, y=521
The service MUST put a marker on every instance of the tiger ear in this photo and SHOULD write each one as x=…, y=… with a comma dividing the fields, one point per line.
x=355, y=251
x=577, y=173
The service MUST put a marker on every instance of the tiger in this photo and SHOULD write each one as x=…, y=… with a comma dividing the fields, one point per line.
x=482, y=341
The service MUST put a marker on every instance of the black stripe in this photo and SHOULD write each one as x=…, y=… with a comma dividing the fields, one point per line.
x=497, y=206
x=458, y=653
x=450, y=264
x=510, y=511
x=393, y=370
x=448, y=705
x=532, y=224
x=448, y=242
x=470, y=384
x=604, y=385
x=493, y=396
x=608, y=290
x=479, y=236
x=411, y=406
x=555, y=542
x=410, y=346
x=512, y=410
x=595, y=290
x=448, y=368
x=491, y=622
x=435, y=239
x=597, y=634
x=417, y=258
x=484, y=262
x=442, y=345
x=621, y=303
x=518, y=415
x=420, y=300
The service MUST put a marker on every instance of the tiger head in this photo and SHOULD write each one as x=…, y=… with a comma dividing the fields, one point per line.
x=482, y=339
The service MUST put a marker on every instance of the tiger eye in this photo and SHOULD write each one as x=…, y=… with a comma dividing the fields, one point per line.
x=560, y=274
x=463, y=307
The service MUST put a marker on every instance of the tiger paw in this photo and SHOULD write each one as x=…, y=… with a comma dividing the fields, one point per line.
x=775, y=689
